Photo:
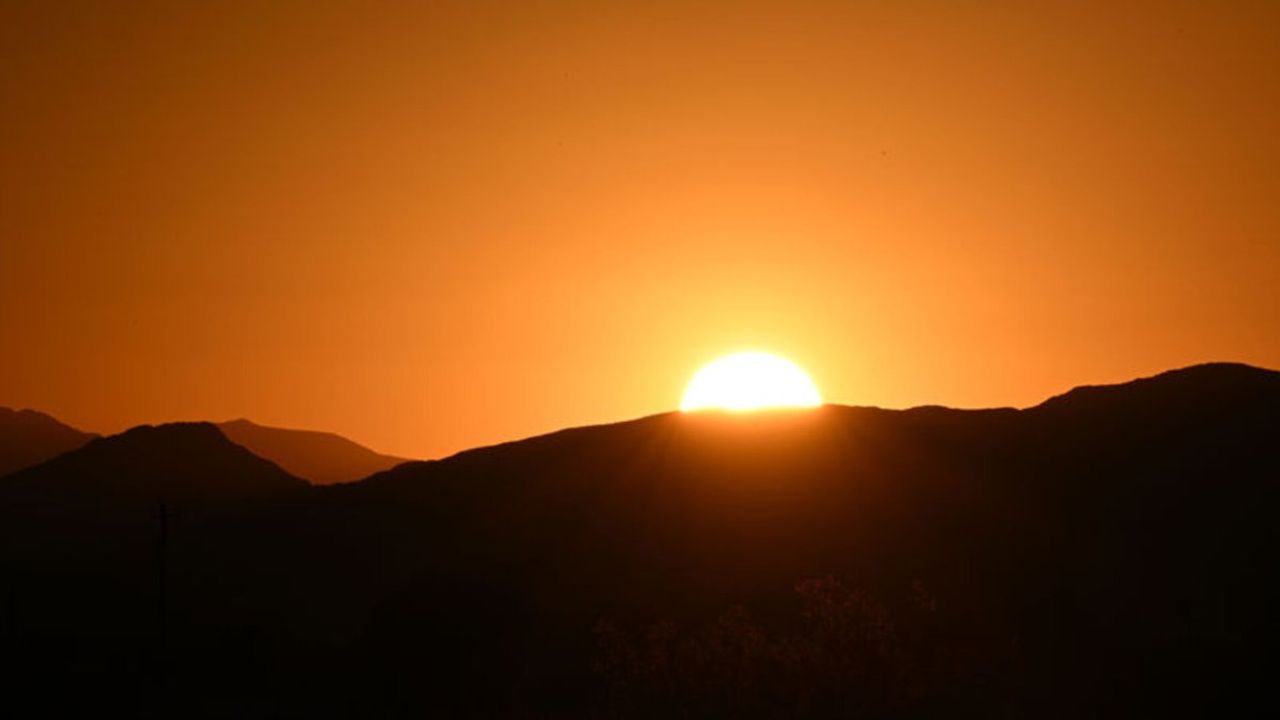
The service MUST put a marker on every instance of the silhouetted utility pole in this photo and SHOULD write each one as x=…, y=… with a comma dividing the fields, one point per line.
x=11, y=615
x=162, y=577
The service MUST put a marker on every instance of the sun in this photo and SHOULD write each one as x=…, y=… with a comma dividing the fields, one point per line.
x=750, y=381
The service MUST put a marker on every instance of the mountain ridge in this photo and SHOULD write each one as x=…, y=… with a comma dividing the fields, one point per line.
x=29, y=437
x=1077, y=558
x=322, y=458
x=147, y=459
x=1213, y=372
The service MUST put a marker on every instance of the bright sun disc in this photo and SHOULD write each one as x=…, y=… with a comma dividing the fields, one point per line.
x=750, y=381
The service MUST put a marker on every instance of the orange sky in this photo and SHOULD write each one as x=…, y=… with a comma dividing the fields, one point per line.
x=435, y=228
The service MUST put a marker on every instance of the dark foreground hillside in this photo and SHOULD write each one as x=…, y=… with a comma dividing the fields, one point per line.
x=1109, y=552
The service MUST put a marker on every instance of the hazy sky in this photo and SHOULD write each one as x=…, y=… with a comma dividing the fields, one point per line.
x=463, y=223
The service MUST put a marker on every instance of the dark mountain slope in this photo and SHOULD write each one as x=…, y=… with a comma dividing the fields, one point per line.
x=1110, y=552
x=319, y=457
x=28, y=438
x=83, y=568
x=1114, y=535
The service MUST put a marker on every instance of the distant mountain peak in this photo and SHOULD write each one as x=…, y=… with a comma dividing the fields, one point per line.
x=1207, y=371
x=29, y=437
x=322, y=458
x=1200, y=383
x=185, y=431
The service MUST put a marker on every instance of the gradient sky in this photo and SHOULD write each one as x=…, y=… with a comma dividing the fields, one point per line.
x=436, y=227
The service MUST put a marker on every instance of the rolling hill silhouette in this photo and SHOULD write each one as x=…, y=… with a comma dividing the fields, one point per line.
x=1108, y=552
x=319, y=457
x=28, y=438
x=182, y=462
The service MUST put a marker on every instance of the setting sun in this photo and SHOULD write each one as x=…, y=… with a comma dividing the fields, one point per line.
x=750, y=381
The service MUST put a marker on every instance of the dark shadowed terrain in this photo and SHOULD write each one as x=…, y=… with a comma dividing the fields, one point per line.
x=1109, y=552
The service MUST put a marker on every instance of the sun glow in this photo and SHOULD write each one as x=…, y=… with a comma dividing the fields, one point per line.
x=750, y=381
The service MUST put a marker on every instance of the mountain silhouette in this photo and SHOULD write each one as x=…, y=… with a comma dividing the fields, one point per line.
x=1108, y=552
x=182, y=462
x=28, y=438
x=319, y=457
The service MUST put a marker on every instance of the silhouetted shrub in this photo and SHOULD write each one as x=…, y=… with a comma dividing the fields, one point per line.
x=845, y=654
